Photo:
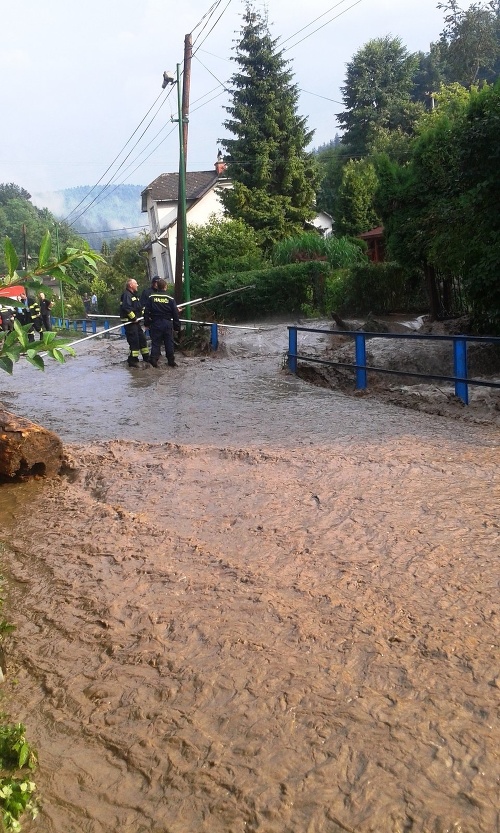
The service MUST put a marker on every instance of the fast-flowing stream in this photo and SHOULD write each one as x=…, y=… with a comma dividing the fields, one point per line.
x=254, y=604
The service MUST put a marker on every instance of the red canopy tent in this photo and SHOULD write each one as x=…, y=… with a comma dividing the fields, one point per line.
x=12, y=291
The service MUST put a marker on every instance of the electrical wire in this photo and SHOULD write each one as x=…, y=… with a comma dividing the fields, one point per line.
x=320, y=27
x=113, y=230
x=213, y=27
x=211, y=73
x=210, y=12
x=118, y=169
x=313, y=21
x=113, y=162
x=321, y=96
x=138, y=166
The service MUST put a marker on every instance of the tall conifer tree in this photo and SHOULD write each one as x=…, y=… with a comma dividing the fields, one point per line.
x=274, y=178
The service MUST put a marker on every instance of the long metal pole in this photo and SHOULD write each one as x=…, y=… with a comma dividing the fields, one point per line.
x=186, y=86
x=182, y=206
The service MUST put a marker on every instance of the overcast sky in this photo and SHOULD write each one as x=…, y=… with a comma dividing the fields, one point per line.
x=78, y=78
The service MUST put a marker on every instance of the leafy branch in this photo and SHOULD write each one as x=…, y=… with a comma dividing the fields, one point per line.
x=15, y=344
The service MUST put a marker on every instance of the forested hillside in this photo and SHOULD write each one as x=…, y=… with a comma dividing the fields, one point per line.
x=94, y=214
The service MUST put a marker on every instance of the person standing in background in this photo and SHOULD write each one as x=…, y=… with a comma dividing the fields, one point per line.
x=93, y=302
x=45, y=307
x=34, y=318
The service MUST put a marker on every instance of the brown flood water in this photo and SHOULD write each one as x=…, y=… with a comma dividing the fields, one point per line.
x=255, y=605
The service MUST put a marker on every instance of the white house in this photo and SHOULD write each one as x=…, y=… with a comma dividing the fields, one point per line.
x=160, y=198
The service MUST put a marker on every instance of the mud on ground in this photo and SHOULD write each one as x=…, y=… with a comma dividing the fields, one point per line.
x=255, y=606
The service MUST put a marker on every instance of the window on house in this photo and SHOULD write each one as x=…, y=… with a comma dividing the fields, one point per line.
x=154, y=268
x=153, y=220
x=165, y=262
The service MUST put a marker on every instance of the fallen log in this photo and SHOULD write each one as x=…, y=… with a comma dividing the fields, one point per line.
x=28, y=449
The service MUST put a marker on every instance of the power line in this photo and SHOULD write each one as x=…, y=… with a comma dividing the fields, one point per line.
x=208, y=14
x=112, y=163
x=321, y=96
x=320, y=27
x=211, y=73
x=119, y=167
x=114, y=231
x=140, y=164
x=313, y=22
x=215, y=24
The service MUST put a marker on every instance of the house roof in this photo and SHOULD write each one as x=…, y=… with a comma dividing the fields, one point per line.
x=166, y=186
x=374, y=232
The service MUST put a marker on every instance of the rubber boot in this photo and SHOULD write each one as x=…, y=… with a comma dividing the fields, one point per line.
x=133, y=361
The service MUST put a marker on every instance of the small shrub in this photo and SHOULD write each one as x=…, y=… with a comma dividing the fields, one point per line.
x=307, y=246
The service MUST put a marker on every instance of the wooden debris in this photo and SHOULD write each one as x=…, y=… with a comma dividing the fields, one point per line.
x=28, y=449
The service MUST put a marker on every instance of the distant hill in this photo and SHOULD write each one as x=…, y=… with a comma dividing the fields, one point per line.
x=115, y=212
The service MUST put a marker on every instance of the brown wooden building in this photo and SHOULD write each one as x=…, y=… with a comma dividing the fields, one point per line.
x=375, y=242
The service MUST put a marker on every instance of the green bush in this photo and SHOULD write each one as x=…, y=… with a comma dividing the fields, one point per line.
x=219, y=247
x=274, y=291
x=374, y=287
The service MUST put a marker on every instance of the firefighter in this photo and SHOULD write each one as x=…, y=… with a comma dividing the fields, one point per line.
x=7, y=317
x=34, y=316
x=149, y=290
x=162, y=317
x=45, y=307
x=130, y=312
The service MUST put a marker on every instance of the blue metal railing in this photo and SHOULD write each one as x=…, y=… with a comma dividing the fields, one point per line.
x=74, y=324
x=90, y=325
x=460, y=378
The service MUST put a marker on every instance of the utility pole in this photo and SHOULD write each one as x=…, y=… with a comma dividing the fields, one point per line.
x=181, y=250
x=25, y=249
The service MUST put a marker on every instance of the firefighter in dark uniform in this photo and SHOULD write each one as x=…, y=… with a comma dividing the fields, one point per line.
x=130, y=312
x=7, y=316
x=149, y=290
x=162, y=317
x=33, y=317
x=45, y=307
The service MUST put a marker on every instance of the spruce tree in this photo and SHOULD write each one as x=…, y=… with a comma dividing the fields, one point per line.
x=274, y=178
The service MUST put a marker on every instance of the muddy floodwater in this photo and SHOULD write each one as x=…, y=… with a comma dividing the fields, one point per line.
x=252, y=604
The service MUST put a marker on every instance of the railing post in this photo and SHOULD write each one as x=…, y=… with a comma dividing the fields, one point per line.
x=84, y=327
x=460, y=368
x=94, y=326
x=292, y=349
x=214, y=336
x=360, y=344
